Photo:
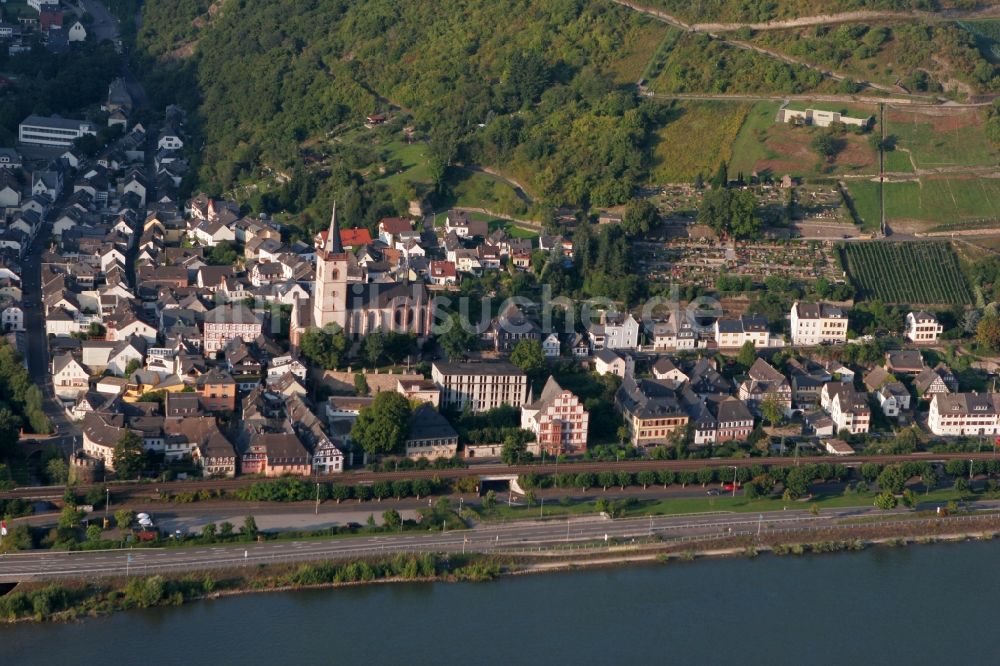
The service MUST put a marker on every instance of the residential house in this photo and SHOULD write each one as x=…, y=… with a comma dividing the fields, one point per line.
x=904, y=362
x=276, y=454
x=217, y=390
x=419, y=390
x=967, y=414
x=430, y=435
x=817, y=324
x=732, y=333
x=551, y=346
x=615, y=331
x=922, y=328
x=764, y=382
x=226, y=322
x=558, y=421
x=609, y=361
x=69, y=376
x=719, y=419
x=652, y=410
x=935, y=380
x=848, y=408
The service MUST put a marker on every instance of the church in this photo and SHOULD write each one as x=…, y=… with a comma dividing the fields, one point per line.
x=342, y=297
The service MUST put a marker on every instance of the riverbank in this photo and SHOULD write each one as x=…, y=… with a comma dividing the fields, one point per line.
x=37, y=602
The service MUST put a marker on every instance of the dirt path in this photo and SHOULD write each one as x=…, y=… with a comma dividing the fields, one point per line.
x=849, y=17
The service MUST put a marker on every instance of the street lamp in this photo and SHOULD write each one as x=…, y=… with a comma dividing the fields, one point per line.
x=734, y=480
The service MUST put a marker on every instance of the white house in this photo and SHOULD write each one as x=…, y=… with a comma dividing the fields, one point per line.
x=818, y=323
x=922, y=328
x=968, y=414
x=551, y=346
x=615, y=331
x=609, y=361
x=77, y=33
x=732, y=333
x=69, y=377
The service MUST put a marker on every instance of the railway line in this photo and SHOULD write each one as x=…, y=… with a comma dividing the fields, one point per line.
x=146, y=489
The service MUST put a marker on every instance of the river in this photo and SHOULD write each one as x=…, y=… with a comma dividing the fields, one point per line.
x=921, y=605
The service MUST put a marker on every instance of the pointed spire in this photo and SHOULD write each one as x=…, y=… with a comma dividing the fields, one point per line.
x=333, y=245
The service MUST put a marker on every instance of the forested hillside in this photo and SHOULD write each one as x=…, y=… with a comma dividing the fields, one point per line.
x=534, y=86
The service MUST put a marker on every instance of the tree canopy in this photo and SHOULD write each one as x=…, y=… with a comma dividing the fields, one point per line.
x=730, y=212
x=382, y=427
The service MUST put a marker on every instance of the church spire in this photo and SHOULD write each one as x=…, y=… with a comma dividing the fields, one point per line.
x=333, y=245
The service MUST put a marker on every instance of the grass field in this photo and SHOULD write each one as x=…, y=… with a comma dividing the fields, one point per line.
x=898, y=161
x=885, y=271
x=768, y=147
x=481, y=190
x=865, y=196
x=699, y=136
x=934, y=201
x=945, y=137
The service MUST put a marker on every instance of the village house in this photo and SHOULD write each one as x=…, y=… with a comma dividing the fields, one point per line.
x=904, y=362
x=609, y=361
x=935, y=380
x=227, y=322
x=69, y=376
x=419, y=390
x=615, y=331
x=558, y=421
x=817, y=324
x=765, y=383
x=922, y=328
x=217, y=391
x=848, y=408
x=720, y=419
x=276, y=454
x=651, y=409
x=430, y=435
x=732, y=333
x=968, y=414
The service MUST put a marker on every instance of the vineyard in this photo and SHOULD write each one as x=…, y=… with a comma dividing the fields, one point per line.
x=913, y=273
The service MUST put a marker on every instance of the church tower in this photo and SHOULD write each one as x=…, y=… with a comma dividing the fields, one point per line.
x=329, y=297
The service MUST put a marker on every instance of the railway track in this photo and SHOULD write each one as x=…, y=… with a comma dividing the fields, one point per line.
x=153, y=488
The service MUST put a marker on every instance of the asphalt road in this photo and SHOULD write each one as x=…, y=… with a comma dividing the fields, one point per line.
x=483, y=538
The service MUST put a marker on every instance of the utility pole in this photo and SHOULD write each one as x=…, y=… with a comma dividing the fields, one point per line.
x=317, y=499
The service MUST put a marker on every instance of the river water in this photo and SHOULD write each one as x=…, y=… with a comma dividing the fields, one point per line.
x=919, y=605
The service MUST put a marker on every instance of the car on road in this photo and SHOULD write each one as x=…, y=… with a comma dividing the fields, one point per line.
x=730, y=487
x=713, y=492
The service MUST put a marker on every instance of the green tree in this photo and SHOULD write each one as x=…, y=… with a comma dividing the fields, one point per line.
x=223, y=253
x=772, y=410
x=208, y=532
x=584, y=480
x=250, y=527
x=391, y=519
x=56, y=471
x=70, y=517
x=127, y=456
x=422, y=488
x=892, y=479
x=646, y=478
x=870, y=472
x=706, y=475
x=124, y=518
x=730, y=212
x=340, y=492
x=324, y=348
x=528, y=356
x=374, y=347
x=623, y=479
x=640, y=216
x=382, y=427
x=885, y=501
x=605, y=480
x=360, y=384
x=490, y=500
x=747, y=355
x=226, y=530
x=456, y=341
x=514, y=451
x=133, y=365
x=797, y=481
x=93, y=532
x=988, y=333
x=721, y=178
